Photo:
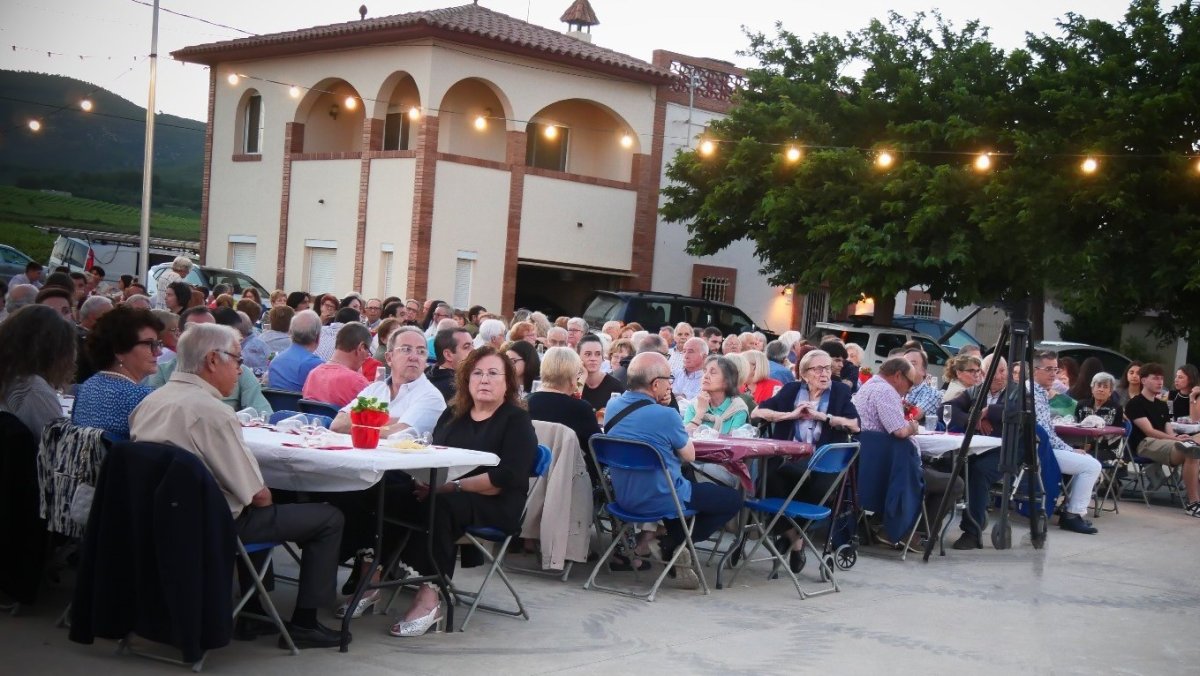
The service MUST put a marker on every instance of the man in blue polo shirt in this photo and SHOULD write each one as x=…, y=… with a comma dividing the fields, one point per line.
x=290, y=368
x=649, y=380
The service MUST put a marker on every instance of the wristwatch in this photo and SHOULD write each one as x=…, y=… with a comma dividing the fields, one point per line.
x=457, y=485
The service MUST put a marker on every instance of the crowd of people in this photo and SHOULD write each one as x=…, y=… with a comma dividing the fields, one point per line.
x=174, y=367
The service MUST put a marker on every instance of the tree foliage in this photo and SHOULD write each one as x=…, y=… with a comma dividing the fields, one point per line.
x=1122, y=240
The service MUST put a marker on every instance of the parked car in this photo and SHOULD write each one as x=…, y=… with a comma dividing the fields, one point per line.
x=936, y=328
x=1114, y=362
x=654, y=310
x=878, y=341
x=208, y=277
x=12, y=262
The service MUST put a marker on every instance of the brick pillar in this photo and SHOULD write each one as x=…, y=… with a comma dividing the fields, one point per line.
x=293, y=142
x=422, y=220
x=646, y=176
x=515, y=158
x=372, y=139
x=206, y=181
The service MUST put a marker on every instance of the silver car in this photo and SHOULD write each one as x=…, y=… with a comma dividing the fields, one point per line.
x=12, y=262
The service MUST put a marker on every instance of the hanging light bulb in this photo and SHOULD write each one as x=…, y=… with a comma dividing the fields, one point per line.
x=792, y=154
x=294, y=92
x=86, y=105
x=626, y=141
x=707, y=147
x=480, y=122
x=550, y=132
x=1197, y=165
x=414, y=113
x=884, y=160
x=983, y=162
x=232, y=78
x=35, y=125
x=350, y=103
x=1089, y=165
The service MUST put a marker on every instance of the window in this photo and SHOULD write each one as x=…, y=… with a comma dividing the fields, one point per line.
x=816, y=309
x=933, y=352
x=546, y=147
x=714, y=288
x=886, y=342
x=925, y=308
x=385, y=266
x=396, y=132
x=322, y=264
x=241, y=256
x=464, y=268
x=252, y=125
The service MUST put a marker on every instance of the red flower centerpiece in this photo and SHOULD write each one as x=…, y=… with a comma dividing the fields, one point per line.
x=367, y=417
x=911, y=412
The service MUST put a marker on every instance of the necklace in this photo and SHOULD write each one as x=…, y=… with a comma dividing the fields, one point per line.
x=119, y=375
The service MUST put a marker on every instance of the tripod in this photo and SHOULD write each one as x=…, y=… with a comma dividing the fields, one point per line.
x=1019, y=446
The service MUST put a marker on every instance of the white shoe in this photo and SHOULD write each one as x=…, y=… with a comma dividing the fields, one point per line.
x=418, y=627
x=364, y=604
x=685, y=577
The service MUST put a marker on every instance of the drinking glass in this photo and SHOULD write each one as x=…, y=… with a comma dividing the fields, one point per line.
x=947, y=410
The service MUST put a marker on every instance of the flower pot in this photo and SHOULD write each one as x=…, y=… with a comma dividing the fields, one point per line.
x=363, y=436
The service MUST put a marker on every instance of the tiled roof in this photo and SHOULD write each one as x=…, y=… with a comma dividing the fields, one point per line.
x=580, y=12
x=467, y=23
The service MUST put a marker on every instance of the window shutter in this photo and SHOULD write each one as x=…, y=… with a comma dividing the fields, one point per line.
x=321, y=265
x=242, y=257
x=387, y=274
x=463, y=270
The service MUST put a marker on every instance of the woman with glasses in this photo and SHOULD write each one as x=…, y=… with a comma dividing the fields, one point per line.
x=967, y=371
x=125, y=346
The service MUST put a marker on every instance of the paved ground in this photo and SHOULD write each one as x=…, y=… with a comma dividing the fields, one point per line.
x=1125, y=601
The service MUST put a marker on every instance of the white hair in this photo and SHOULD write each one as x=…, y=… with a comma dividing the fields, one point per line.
x=200, y=339
x=1103, y=377
x=698, y=342
x=447, y=323
x=19, y=296
x=789, y=338
x=93, y=306
x=578, y=322
x=637, y=337
x=305, y=328
x=489, y=330
x=137, y=300
x=556, y=330
x=182, y=265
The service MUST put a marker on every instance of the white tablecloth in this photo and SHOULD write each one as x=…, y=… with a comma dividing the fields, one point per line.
x=310, y=469
x=937, y=444
x=1187, y=428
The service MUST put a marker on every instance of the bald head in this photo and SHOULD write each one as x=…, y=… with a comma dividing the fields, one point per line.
x=644, y=368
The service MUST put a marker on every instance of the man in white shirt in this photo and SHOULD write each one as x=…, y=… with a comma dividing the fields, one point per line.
x=683, y=333
x=688, y=375
x=1071, y=461
x=413, y=401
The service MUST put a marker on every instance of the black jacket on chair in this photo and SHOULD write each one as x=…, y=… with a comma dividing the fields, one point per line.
x=158, y=553
x=22, y=530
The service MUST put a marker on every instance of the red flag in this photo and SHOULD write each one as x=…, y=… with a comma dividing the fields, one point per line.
x=91, y=260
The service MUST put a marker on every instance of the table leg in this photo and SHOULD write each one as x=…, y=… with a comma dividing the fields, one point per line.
x=437, y=477
x=365, y=582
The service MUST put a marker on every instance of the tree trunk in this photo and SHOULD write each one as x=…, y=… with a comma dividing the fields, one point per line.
x=885, y=309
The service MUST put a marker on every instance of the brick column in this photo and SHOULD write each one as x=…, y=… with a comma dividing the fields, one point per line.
x=646, y=176
x=422, y=220
x=372, y=140
x=293, y=142
x=206, y=181
x=515, y=158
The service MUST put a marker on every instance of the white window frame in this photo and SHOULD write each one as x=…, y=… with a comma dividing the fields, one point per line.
x=468, y=258
x=246, y=131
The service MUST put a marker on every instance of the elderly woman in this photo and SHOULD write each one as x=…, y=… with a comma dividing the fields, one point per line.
x=177, y=297
x=523, y=331
x=526, y=361
x=619, y=354
x=854, y=354
x=629, y=329
x=491, y=332
x=485, y=414
x=731, y=345
x=327, y=306
x=743, y=370
x=37, y=357
x=717, y=405
x=760, y=384
x=557, y=402
x=181, y=267
x=125, y=347
x=815, y=409
x=169, y=336
x=279, y=320
x=962, y=372
x=1102, y=402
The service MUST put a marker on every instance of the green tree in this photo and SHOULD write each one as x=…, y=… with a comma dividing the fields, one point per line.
x=933, y=95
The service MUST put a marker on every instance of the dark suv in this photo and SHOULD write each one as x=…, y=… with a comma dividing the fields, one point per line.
x=655, y=310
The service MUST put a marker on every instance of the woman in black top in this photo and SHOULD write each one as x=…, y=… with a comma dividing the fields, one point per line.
x=526, y=361
x=1187, y=378
x=555, y=401
x=486, y=415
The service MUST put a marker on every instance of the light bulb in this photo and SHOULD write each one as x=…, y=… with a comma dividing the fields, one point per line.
x=707, y=147
x=35, y=125
x=414, y=113
x=884, y=160
x=792, y=154
x=626, y=141
x=86, y=105
x=294, y=92
x=350, y=103
x=551, y=132
x=983, y=162
x=480, y=122
x=232, y=78
x=1089, y=165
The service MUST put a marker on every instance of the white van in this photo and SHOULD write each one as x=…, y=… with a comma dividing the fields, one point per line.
x=116, y=253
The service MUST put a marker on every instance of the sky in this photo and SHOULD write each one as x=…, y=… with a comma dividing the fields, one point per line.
x=113, y=36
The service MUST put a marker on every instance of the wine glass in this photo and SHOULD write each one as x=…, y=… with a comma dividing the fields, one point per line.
x=947, y=410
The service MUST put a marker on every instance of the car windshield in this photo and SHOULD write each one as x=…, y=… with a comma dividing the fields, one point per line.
x=237, y=280
x=601, y=309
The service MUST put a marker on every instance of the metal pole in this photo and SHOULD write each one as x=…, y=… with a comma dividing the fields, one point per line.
x=148, y=160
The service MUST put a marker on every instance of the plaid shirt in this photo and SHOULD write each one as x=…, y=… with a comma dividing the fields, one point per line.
x=880, y=408
x=926, y=398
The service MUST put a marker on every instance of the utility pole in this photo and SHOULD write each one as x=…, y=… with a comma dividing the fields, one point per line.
x=148, y=160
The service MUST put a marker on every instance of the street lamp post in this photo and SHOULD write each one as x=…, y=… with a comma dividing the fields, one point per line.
x=148, y=160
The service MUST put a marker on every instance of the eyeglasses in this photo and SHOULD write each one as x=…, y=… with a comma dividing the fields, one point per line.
x=407, y=350
x=972, y=370
x=821, y=369
x=480, y=374
x=236, y=357
x=669, y=379
x=154, y=345
x=516, y=360
x=1047, y=369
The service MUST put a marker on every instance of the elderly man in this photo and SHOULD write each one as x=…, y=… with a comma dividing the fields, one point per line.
x=187, y=412
x=18, y=296
x=373, y=313
x=667, y=333
x=576, y=328
x=247, y=393
x=777, y=354
x=452, y=347
x=682, y=333
x=983, y=469
x=880, y=408
x=556, y=337
x=1084, y=467
x=90, y=312
x=413, y=402
x=1154, y=437
x=412, y=311
x=31, y=276
x=138, y=302
x=635, y=415
x=491, y=332
x=290, y=368
x=440, y=312
x=339, y=380
x=690, y=372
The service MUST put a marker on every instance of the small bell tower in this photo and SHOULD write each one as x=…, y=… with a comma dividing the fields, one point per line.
x=580, y=17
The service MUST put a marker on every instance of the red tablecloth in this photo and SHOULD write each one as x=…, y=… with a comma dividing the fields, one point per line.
x=1088, y=432
x=732, y=453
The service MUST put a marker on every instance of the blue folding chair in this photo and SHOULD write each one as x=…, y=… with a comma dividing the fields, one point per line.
x=257, y=574
x=494, y=535
x=637, y=456
x=828, y=459
x=318, y=407
x=281, y=400
x=323, y=420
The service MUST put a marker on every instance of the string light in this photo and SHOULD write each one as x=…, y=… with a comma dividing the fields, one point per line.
x=232, y=78
x=983, y=162
x=1089, y=165
x=86, y=105
x=35, y=125
x=627, y=142
x=1197, y=165
x=707, y=147
x=480, y=122
x=351, y=103
x=294, y=92
x=884, y=160
x=414, y=113
x=550, y=132
x=792, y=154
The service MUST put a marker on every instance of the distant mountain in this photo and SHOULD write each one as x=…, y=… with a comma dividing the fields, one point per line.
x=90, y=153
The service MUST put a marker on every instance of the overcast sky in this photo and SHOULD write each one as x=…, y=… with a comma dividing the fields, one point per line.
x=113, y=32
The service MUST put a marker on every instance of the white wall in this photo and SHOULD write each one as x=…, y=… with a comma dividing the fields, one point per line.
x=336, y=182
x=389, y=221
x=470, y=213
x=553, y=208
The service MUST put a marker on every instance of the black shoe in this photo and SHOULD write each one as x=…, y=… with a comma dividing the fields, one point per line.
x=249, y=628
x=966, y=541
x=1076, y=524
x=319, y=636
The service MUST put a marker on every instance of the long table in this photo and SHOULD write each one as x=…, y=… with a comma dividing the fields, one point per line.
x=732, y=453
x=286, y=464
x=937, y=444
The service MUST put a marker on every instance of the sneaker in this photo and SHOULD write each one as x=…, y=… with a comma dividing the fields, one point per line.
x=1192, y=509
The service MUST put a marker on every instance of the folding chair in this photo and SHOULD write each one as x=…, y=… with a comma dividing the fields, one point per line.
x=828, y=459
x=281, y=400
x=495, y=535
x=1109, y=470
x=628, y=455
x=321, y=408
x=1173, y=482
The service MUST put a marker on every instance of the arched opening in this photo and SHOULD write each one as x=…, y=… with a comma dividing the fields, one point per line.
x=332, y=114
x=248, y=136
x=472, y=120
x=583, y=137
x=399, y=104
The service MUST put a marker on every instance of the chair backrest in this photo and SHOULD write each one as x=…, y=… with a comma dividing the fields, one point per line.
x=833, y=458
x=318, y=407
x=324, y=420
x=626, y=454
x=281, y=400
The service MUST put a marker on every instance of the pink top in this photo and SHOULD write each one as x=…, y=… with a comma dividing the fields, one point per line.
x=333, y=383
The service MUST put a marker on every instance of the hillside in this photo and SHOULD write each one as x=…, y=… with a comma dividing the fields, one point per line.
x=96, y=155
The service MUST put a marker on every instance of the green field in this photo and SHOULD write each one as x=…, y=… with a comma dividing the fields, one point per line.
x=21, y=209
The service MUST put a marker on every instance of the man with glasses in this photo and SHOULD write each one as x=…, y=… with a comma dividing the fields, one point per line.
x=442, y=311
x=373, y=313
x=691, y=371
x=1154, y=437
x=339, y=380
x=1084, y=467
x=576, y=327
x=186, y=413
x=413, y=402
x=683, y=333
x=412, y=312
